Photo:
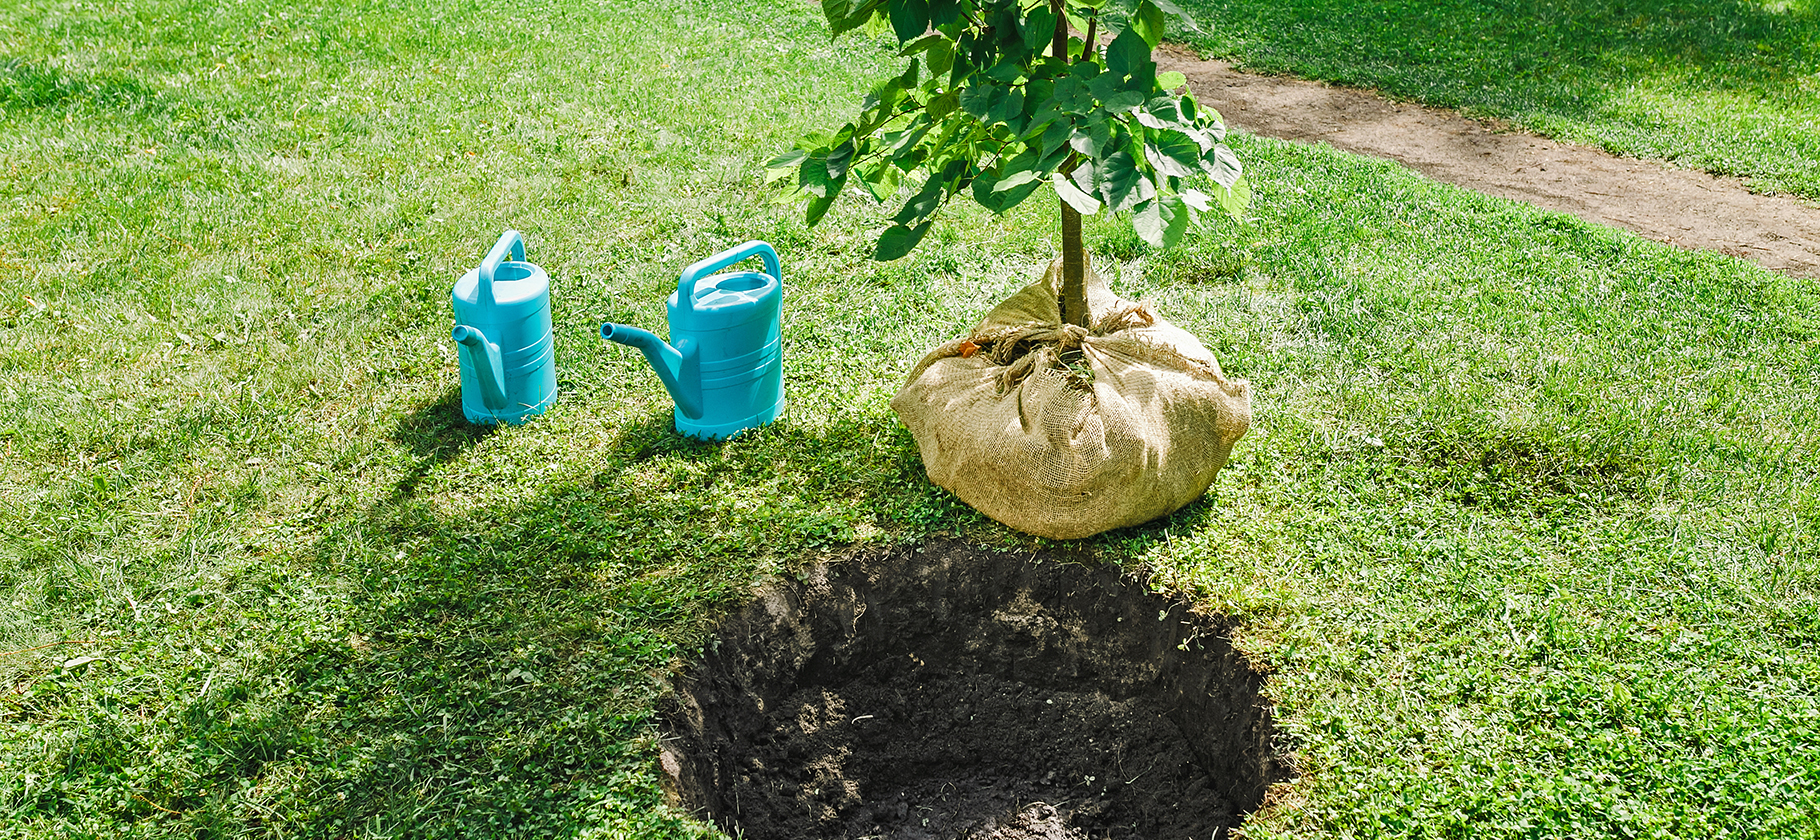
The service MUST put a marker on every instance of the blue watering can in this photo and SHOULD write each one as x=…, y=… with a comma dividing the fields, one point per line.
x=502, y=327
x=726, y=369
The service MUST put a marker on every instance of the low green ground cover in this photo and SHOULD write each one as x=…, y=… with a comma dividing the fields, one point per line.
x=1727, y=86
x=1526, y=524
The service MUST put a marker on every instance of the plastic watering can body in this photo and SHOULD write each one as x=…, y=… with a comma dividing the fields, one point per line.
x=503, y=337
x=724, y=365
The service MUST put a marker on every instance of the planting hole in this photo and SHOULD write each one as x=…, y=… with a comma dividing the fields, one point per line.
x=940, y=691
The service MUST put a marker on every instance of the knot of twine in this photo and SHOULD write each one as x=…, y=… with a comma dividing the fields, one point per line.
x=1028, y=348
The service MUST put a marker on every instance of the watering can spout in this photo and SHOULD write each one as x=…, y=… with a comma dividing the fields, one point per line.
x=488, y=368
x=679, y=367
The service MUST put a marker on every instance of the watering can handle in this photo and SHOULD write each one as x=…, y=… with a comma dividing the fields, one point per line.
x=685, y=287
x=509, y=242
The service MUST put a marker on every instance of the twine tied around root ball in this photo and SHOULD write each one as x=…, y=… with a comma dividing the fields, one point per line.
x=1023, y=350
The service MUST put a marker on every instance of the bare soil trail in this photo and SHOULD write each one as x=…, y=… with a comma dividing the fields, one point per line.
x=1681, y=207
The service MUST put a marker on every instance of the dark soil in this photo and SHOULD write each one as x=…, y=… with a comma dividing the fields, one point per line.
x=939, y=691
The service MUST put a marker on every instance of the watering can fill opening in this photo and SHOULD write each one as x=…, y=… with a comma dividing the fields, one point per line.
x=724, y=363
x=503, y=336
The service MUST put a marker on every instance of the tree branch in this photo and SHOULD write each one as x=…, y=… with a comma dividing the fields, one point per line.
x=1073, y=297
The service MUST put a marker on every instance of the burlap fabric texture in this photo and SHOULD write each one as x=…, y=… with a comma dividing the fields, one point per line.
x=1132, y=428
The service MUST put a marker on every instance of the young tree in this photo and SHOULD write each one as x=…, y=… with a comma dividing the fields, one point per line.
x=999, y=99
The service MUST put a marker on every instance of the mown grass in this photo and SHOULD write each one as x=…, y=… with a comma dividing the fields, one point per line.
x=1525, y=525
x=1726, y=86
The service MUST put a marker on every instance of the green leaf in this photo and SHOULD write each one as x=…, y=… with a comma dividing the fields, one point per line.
x=838, y=160
x=881, y=180
x=1215, y=123
x=940, y=57
x=1148, y=23
x=1016, y=179
x=1167, y=109
x=1127, y=54
x=1057, y=134
x=1086, y=176
x=1176, y=218
x=924, y=203
x=1039, y=106
x=944, y=12
x=813, y=177
x=886, y=93
x=982, y=186
x=942, y=106
x=1124, y=100
x=909, y=19
x=784, y=165
x=1122, y=184
x=1072, y=96
x=1082, y=203
x=1001, y=195
x=1170, y=80
x=1222, y=166
x=1007, y=107
x=898, y=240
x=1007, y=71
x=1171, y=9
x=1002, y=201
x=1038, y=28
x=896, y=143
x=1147, y=220
x=1053, y=160
x=923, y=43
x=1092, y=141
x=847, y=15
x=818, y=207
x=978, y=99
x=1106, y=85
x=836, y=11
x=1235, y=199
x=1160, y=221
x=1173, y=153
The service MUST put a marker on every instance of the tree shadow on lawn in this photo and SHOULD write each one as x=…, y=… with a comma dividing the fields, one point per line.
x=437, y=433
x=491, y=672
x=499, y=665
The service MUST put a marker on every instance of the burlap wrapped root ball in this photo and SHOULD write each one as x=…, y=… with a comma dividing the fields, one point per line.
x=1062, y=444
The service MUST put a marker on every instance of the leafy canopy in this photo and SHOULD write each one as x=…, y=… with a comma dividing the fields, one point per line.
x=985, y=107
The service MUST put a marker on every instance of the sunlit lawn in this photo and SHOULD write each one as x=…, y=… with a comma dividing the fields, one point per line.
x=1525, y=526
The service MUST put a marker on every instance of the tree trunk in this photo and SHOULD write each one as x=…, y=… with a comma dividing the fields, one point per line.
x=1074, y=254
x=1074, y=269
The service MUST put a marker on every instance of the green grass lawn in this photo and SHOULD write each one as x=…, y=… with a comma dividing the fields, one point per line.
x=1526, y=525
x=1727, y=86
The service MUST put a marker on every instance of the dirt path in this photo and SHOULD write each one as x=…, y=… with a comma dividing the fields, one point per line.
x=1681, y=207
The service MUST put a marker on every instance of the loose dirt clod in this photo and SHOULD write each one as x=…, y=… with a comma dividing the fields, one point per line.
x=940, y=691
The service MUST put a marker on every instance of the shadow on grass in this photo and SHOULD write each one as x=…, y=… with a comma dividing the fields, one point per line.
x=437, y=433
x=490, y=671
x=498, y=667
x=32, y=85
